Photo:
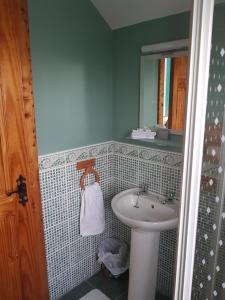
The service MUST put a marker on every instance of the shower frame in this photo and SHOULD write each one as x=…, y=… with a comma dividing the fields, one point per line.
x=201, y=32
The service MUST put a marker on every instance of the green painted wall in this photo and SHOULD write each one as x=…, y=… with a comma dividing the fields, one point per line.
x=127, y=44
x=85, y=76
x=71, y=48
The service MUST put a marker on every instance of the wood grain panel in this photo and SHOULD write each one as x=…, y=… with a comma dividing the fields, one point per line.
x=9, y=262
x=18, y=155
x=161, y=91
x=2, y=174
x=177, y=105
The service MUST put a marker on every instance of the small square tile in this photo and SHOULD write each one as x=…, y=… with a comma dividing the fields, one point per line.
x=74, y=203
x=81, y=271
x=52, y=183
x=128, y=169
x=111, y=165
x=171, y=181
x=102, y=167
x=80, y=249
x=54, y=211
x=124, y=232
x=58, y=263
x=60, y=285
x=74, y=228
x=151, y=175
x=165, y=284
x=56, y=237
x=72, y=178
x=121, y=185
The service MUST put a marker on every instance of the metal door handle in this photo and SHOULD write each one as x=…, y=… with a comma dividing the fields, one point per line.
x=21, y=190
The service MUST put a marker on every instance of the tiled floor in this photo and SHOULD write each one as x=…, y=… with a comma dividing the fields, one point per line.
x=115, y=289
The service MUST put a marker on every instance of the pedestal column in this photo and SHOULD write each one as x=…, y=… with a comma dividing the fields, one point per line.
x=143, y=265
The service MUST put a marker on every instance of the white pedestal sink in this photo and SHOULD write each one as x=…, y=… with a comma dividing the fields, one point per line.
x=147, y=216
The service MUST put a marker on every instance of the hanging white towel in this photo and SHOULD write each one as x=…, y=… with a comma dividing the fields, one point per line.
x=92, y=213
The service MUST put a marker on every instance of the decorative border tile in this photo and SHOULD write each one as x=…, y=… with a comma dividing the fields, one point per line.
x=161, y=157
x=51, y=161
x=111, y=147
x=99, y=150
x=77, y=155
x=127, y=150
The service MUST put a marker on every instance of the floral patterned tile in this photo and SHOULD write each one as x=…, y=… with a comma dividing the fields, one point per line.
x=151, y=155
x=111, y=147
x=51, y=161
x=174, y=160
x=77, y=155
x=128, y=150
x=166, y=158
x=98, y=150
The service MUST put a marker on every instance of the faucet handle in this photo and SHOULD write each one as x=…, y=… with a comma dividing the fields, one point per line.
x=171, y=196
x=144, y=187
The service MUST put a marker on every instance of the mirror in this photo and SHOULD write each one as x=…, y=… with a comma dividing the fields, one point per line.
x=163, y=82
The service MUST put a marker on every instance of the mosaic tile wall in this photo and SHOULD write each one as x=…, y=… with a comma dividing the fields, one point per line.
x=70, y=258
x=209, y=270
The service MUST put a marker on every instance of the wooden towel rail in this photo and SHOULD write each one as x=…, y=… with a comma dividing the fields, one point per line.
x=88, y=166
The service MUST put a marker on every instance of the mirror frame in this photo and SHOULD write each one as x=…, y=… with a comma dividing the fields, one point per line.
x=160, y=50
x=159, y=55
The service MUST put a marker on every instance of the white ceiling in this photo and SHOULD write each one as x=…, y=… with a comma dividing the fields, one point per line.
x=121, y=13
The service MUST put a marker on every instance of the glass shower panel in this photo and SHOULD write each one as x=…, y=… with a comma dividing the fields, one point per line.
x=209, y=268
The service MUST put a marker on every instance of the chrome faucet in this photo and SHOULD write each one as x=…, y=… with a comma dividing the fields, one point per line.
x=170, y=198
x=144, y=188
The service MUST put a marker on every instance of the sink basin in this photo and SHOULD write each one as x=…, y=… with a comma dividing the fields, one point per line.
x=148, y=215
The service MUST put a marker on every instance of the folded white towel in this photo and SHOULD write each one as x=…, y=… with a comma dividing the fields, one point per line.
x=92, y=213
x=143, y=134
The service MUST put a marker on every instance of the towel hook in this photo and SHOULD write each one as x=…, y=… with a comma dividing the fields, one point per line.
x=88, y=165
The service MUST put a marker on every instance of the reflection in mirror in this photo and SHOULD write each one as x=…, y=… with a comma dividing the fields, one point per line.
x=162, y=90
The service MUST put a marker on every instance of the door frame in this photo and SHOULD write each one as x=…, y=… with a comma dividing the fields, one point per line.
x=200, y=48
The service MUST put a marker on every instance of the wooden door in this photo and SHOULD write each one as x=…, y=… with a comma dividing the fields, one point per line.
x=161, y=91
x=178, y=87
x=22, y=259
